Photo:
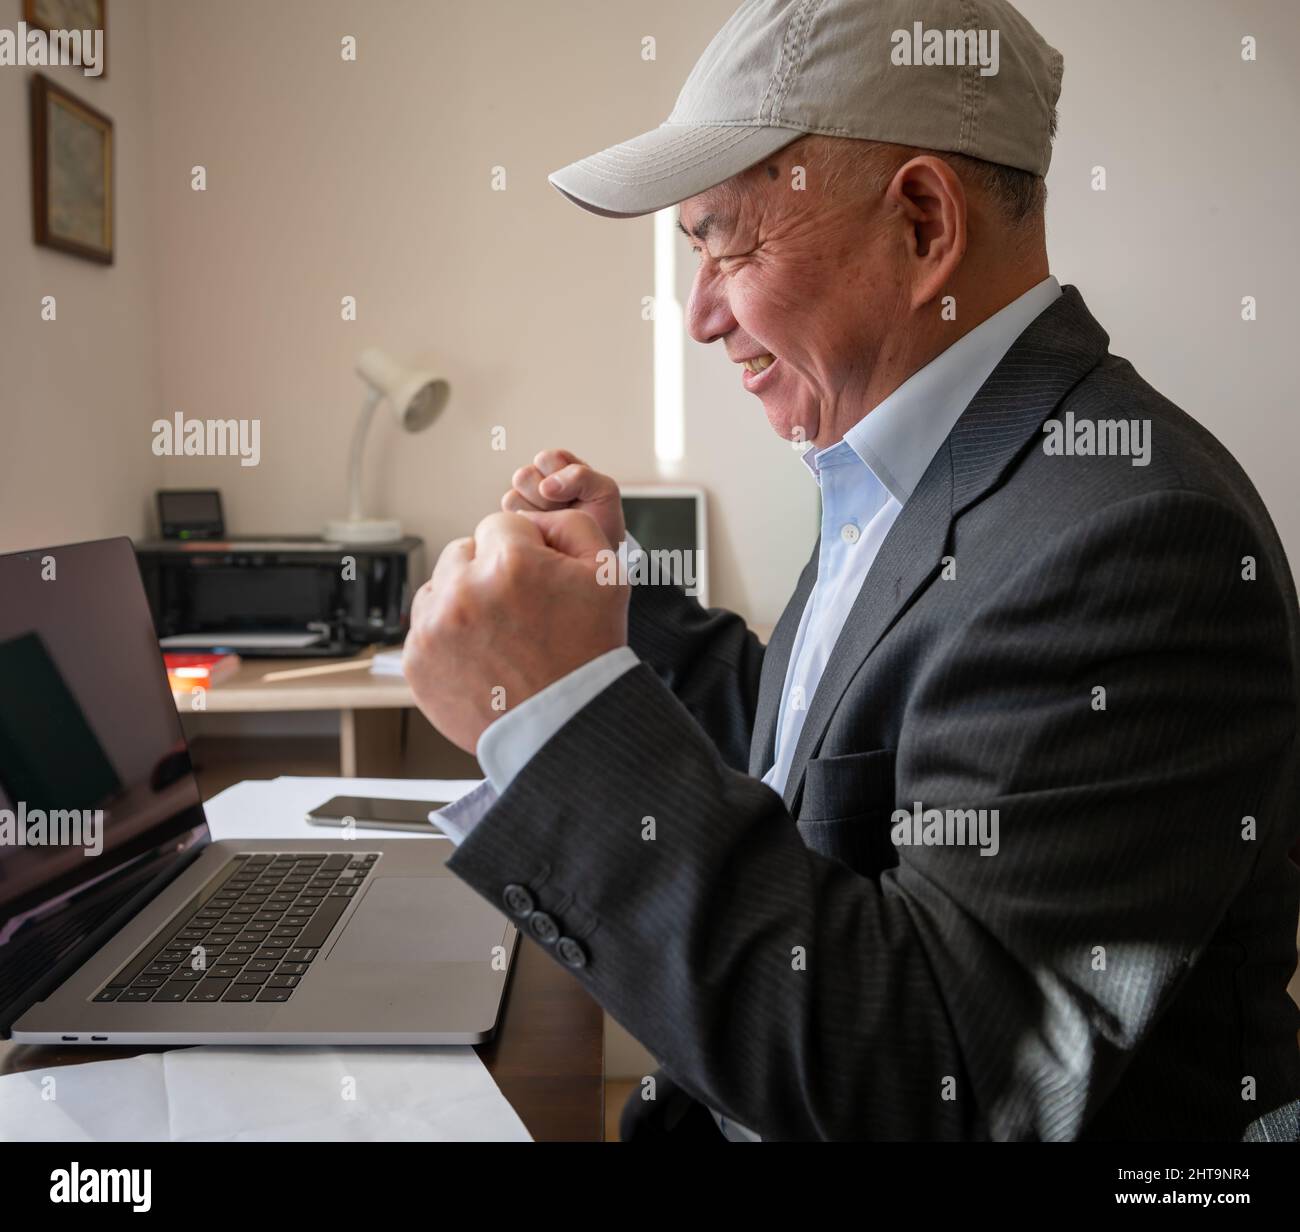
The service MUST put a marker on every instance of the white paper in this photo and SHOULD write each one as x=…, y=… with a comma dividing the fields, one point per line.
x=279, y=809
x=241, y=641
x=271, y=1094
x=387, y=663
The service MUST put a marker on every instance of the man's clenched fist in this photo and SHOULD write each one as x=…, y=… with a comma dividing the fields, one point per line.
x=559, y=480
x=505, y=614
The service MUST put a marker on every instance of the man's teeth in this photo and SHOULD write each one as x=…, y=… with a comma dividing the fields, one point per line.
x=758, y=363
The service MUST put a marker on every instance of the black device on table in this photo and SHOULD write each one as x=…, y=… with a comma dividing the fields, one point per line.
x=377, y=814
x=190, y=513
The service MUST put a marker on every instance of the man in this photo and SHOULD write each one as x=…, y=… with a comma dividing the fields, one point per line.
x=991, y=840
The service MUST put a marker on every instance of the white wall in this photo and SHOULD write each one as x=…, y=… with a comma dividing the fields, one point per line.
x=1199, y=150
x=77, y=394
x=373, y=179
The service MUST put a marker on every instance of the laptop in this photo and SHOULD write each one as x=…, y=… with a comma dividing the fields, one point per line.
x=123, y=922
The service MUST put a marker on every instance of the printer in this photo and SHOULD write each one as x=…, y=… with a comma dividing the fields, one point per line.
x=282, y=596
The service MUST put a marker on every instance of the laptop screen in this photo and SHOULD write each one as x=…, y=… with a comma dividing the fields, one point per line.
x=96, y=785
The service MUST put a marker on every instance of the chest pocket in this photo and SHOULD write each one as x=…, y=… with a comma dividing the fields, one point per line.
x=846, y=807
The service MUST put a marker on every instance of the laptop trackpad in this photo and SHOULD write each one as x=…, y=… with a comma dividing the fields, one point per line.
x=420, y=920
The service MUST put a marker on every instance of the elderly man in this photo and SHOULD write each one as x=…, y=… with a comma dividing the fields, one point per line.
x=990, y=841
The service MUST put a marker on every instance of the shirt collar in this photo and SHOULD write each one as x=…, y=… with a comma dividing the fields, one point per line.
x=898, y=438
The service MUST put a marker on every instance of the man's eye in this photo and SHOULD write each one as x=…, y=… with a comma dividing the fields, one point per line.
x=721, y=259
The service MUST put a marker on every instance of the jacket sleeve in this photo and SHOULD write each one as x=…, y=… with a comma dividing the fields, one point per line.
x=708, y=657
x=957, y=995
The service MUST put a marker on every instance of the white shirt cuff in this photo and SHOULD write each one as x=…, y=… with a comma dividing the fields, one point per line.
x=510, y=743
x=461, y=816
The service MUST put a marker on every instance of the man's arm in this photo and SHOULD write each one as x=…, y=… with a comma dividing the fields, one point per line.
x=958, y=996
x=708, y=657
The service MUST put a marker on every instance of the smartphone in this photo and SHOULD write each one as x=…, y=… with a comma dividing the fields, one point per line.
x=372, y=814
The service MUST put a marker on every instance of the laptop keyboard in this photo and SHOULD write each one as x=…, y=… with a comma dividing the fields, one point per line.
x=250, y=934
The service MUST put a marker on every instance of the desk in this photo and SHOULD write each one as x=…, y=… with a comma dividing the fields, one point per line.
x=548, y=1055
x=370, y=707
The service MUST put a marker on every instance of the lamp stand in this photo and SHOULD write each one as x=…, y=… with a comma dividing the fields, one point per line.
x=357, y=528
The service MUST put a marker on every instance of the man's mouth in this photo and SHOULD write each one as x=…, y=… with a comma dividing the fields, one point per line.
x=758, y=370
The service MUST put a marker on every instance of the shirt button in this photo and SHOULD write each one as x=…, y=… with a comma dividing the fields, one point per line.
x=850, y=533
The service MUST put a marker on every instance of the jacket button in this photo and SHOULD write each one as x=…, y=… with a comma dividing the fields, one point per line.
x=570, y=953
x=543, y=927
x=518, y=900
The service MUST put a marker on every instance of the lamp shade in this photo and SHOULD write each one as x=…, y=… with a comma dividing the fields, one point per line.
x=416, y=397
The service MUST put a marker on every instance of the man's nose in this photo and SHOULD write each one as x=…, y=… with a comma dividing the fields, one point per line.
x=708, y=315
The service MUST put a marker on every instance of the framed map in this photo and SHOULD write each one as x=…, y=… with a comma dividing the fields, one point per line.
x=72, y=173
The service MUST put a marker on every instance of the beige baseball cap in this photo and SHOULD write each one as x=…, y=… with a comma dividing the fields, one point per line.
x=964, y=76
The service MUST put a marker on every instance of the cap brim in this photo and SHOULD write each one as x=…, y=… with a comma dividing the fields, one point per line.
x=666, y=166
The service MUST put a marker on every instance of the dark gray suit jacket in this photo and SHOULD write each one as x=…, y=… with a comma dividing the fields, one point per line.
x=1118, y=969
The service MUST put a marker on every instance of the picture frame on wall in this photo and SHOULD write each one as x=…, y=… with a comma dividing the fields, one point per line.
x=49, y=15
x=72, y=173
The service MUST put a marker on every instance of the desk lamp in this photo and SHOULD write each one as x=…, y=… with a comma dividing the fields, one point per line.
x=416, y=399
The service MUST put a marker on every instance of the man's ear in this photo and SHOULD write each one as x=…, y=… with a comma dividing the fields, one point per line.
x=932, y=202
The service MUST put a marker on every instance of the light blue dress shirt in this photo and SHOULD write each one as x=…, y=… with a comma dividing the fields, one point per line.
x=865, y=479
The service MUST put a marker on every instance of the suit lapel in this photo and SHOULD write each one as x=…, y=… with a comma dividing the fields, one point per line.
x=1050, y=357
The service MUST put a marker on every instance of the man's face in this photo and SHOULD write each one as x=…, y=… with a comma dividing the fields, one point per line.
x=813, y=281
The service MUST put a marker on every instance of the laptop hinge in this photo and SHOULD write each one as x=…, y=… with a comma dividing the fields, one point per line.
x=143, y=883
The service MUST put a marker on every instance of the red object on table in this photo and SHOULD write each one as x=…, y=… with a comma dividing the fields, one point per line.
x=193, y=671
